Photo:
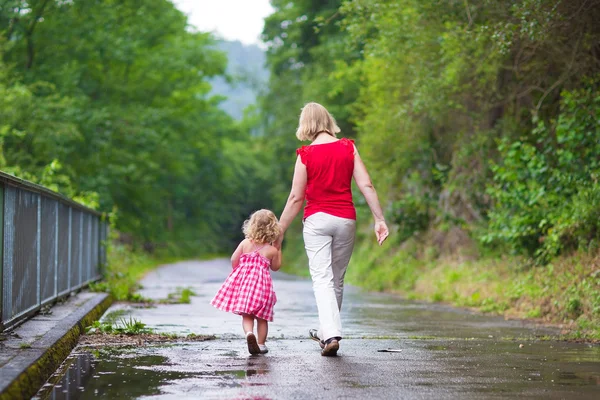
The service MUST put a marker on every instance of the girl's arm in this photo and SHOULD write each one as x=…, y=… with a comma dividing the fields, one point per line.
x=276, y=260
x=361, y=176
x=295, y=199
x=235, y=257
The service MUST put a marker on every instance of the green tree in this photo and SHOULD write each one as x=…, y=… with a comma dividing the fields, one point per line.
x=114, y=98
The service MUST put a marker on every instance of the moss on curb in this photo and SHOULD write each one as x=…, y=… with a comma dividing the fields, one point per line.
x=29, y=381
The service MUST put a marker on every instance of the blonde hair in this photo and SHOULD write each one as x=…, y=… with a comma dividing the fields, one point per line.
x=315, y=119
x=262, y=227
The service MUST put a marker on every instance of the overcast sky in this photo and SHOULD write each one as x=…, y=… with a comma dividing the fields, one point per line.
x=230, y=19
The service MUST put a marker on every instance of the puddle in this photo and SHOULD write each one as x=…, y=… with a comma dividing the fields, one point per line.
x=134, y=372
x=436, y=347
x=236, y=373
x=230, y=353
x=109, y=374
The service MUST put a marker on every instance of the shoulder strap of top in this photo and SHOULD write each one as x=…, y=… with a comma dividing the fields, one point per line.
x=260, y=248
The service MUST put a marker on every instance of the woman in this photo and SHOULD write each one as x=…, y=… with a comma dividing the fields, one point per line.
x=323, y=176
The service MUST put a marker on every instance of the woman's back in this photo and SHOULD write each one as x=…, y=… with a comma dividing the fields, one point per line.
x=329, y=168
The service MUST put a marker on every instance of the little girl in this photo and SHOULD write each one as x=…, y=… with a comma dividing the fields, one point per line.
x=248, y=290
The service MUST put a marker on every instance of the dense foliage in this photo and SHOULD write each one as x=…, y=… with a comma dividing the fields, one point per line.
x=477, y=116
x=109, y=102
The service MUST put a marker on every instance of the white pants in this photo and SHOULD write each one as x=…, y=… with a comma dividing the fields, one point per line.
x=329, y=242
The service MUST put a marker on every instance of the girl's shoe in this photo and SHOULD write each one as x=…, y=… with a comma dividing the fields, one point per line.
x=253, y=347
x=263, y=348
x=331, y=348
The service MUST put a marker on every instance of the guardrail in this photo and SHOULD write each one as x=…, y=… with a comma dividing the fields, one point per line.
x=51, y=246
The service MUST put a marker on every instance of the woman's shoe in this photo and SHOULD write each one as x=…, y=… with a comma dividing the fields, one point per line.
x=331, y=348
x=263, y=348
x=253, y=347
x=313, y=335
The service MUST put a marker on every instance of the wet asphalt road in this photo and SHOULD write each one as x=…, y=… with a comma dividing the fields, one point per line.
x=443, y=353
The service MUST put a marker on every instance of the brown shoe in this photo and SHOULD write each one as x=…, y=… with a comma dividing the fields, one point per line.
x=253, y=347
x=313, y=335
x=331, y=348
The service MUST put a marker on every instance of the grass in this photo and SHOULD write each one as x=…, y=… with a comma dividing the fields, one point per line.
x=132, y=327
x=114, y=316
x=24, y=346
x=125, y=269
x=126, y=327
x=181, y=296
x=566, y=292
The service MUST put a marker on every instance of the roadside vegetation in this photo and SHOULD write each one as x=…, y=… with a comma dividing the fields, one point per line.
x=112, y=332
x=125, y=268
x=180, y=296
x=123, y=271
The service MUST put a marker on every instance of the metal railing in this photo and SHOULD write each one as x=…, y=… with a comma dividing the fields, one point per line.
x=51, y=246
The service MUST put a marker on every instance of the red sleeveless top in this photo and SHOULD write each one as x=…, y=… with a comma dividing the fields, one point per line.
x=329, y=168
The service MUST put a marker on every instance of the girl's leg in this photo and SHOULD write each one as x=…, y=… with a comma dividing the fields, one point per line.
x=248, y=323
x=262, y=328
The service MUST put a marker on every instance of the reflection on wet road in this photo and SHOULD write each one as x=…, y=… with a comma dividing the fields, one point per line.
x=443, y=353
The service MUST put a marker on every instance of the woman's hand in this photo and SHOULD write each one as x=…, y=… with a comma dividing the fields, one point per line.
x=278, y=242
x=381, y=231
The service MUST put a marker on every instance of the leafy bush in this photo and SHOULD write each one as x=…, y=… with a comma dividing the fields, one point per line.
x=545, y=190
x=411, y=214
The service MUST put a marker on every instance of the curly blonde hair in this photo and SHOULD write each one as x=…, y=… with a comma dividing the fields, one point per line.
x=262, y=227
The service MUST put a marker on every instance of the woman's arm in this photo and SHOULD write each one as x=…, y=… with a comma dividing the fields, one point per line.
x=361, y=176
x=235, y=257
x=296, y=198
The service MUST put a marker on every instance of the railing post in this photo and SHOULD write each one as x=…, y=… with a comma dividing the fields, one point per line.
x=69, y=253
x=7, y=254
x=1, y=255
x=90, y=247
x=39, y=251
x=80, y=249
x=56, y=221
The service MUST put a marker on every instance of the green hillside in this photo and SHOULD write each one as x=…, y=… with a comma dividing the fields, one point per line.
x=246, y=77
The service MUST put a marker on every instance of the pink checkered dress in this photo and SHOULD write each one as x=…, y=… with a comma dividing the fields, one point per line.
x=248, y=289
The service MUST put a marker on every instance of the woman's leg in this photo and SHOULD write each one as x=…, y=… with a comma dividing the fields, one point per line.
x=248, y=323
x=262, y=329
x=341, y=251
x=317, y=241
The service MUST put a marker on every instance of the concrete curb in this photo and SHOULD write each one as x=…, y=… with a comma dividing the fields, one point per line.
x=29, y=370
